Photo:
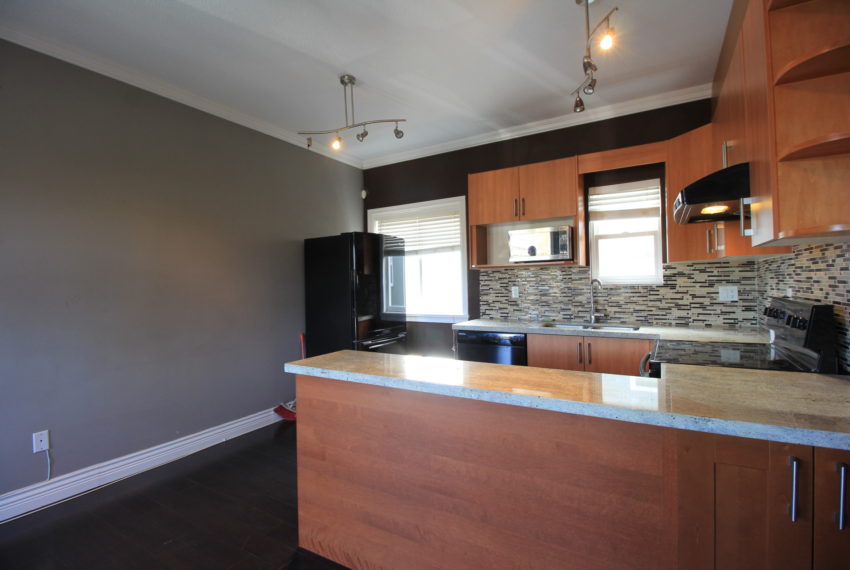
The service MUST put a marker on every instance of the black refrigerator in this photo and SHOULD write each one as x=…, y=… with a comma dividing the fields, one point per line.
x=354, y=293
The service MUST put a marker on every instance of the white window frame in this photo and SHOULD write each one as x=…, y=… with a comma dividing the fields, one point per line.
x=443, y=206
x=658, y=278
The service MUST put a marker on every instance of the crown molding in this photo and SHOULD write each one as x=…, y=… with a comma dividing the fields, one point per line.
x=115, y=70
x=569, y=120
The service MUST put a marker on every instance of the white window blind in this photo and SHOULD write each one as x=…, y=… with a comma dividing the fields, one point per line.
x=613, y=199
x=424, y=233
x=434, y=236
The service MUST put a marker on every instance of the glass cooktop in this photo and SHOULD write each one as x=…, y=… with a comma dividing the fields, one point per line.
x=733, y=354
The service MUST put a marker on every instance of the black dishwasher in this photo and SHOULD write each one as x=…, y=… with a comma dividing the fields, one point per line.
x=495, y=347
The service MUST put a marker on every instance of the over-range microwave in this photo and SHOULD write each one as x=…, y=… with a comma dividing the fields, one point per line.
x=540, y=244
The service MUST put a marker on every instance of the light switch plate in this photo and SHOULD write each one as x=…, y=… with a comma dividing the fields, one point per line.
x=515, y=292
x=728, y=292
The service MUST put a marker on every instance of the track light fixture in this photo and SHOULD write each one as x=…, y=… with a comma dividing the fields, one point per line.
x=588, y=84
x=348, y=81
x=579, y=105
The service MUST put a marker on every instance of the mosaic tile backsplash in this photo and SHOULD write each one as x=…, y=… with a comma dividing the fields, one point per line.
x=688, y=295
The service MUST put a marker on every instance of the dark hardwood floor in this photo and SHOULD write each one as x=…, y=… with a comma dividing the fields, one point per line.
x=230, y=506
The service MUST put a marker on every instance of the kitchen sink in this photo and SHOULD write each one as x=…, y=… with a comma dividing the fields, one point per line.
x=586, y=326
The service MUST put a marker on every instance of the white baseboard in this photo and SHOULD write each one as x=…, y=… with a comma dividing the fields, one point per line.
x=40, y=495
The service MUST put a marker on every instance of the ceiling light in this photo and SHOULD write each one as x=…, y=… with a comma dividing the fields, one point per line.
x=588, y=84
x=607, y=41
x=579, y=105
x=718, y=209
x=348, y=82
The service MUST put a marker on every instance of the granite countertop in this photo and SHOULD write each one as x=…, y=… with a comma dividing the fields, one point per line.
x=792, y=407
x=701, y=334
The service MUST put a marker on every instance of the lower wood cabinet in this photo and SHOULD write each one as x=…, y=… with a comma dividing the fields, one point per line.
x=831, y=512
x=749, y=504
x=589, y=353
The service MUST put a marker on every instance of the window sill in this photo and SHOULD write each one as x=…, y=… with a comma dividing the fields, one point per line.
x=436, y=318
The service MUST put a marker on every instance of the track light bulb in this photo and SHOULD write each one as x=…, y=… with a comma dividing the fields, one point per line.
x=590, y=87
x=587, y=65
x=607, y=41
x=579, y=106
x=361, y=136
x=337, y=143
x=398, y=132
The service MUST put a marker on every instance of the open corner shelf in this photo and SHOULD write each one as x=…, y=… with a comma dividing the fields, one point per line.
x=828, y=61
x=777, y=4
x=827, y=145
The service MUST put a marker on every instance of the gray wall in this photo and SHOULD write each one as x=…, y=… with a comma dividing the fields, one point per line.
x=151, y=254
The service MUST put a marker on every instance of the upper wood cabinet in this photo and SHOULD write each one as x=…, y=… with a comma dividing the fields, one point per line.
x=691, y=156
x=589, y=353
x=529, y=192
x=794, y=58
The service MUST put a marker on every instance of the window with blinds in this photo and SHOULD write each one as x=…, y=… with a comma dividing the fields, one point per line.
x=435, y=257
x=625, y=232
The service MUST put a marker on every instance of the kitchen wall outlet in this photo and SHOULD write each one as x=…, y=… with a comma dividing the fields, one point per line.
x=515, y=292
x=789, y=292
x=728, y=292
x=40, y=441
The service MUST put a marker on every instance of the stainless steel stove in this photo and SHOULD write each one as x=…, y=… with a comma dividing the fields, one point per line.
x=803, y=339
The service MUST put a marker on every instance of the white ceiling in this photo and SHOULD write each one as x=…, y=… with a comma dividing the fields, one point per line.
x=463, y=72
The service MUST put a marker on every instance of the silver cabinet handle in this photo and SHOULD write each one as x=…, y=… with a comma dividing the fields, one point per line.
x=589, y=359
x=516, y=212
x=795, y=467
x=579, y=353
x=708, y=240
x=842, y=494
x=523, y=206
x=741, y=203
x=642, y=366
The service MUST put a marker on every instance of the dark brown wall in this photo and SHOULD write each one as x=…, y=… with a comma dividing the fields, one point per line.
x=444, y=175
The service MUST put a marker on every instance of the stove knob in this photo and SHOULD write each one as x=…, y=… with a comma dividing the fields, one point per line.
x=767, y=311
x=802, y=324
x=788, y=319
x=795, y=322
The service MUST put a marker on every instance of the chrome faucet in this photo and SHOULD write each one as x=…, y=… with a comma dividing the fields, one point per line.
x=593, y=313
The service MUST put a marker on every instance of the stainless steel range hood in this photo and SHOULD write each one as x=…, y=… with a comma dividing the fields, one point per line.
x=714, y=197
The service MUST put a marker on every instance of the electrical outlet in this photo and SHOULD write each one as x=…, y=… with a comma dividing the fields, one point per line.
x=789, y=292
x=40, y=441
x=515, y=292
x=728, y=292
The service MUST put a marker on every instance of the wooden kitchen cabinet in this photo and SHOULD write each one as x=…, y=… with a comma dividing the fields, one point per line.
x=733, y=503
x=690, y=157
x=590, y=353
x=831, y=545
x=529, y=192
x=795, y=57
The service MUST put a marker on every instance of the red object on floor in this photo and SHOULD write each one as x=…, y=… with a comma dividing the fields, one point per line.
x=284, y=412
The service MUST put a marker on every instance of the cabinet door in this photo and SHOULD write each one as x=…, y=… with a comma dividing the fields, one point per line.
x=831, y=544
x=734, y=503
x=690, y=157
x=730, y=114
x=548, y=189
x=565, y=352
x=493, y=196
x=614, y=355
